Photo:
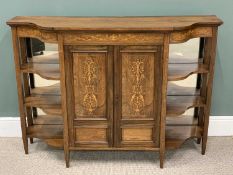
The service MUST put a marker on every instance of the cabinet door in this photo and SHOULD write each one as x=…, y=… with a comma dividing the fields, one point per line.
x=137, y=87
x=90, y=97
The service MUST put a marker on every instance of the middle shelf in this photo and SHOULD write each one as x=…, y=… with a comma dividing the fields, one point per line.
x=49, y=100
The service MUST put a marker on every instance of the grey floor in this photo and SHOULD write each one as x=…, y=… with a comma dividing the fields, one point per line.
x=187, y=160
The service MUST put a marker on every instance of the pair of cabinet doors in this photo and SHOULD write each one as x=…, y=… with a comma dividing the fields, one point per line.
x=113, y=95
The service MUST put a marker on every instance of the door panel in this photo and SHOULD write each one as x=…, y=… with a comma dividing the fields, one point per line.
x=137, y=98
x=137, y=85
x=90, y=95
x=91, y=135
x=137, y=134
x=89, y=71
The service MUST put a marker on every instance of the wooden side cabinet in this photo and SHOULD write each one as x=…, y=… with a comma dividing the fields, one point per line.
x=117, y=83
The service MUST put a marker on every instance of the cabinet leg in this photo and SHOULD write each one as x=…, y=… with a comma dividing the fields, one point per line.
x=25, y=145
x=31, y=140
x=198, y=140
x=161, y=156
x=204, y=141
x=67, y=158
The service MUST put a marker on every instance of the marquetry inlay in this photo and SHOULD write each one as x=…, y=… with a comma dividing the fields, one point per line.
x=90, y=77
x=137, y=99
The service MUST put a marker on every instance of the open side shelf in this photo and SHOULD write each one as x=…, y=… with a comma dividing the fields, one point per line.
x=180, y=129
x=47, y=71
x=57, y=143
x=183, y=120
x=49, y=128
x=49, y=104
x=53, y=90
x=173, y=60
x=48, y=120
x=177, y=135
x=45, y=59
x=45, y=131
x=182, y=71
x=176, y=90
x=177, y=105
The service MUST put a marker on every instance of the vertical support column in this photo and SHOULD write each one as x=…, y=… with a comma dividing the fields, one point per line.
x=209, y=59
x=26, y=85
x=63, y=98
x=164, y=97
x=20, y=88
x=31, y=76
x=200, y=55
x=117, y=102
x=199, y=82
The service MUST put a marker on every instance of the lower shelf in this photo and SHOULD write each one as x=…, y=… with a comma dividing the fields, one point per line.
x=45, y=131
x=178, y=130
x=57, y=143
x=177, y=135
x=46, y=127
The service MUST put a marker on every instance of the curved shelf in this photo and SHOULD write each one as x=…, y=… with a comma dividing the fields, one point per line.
x=176, y=90
x=52, y=110
x=177, y=135
x=53, y=90
x=48, y=120
x=183, y=120
x=49, y=104
x=45, y=131
x=182, y=60
x=56, y=143
x=182, y=71
x=177, y=105
x=47, y=71
x=46, y=127
x=45, y=59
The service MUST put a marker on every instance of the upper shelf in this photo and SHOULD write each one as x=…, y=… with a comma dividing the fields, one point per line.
x=45, y=59
x=181, y=71
x=163, y=23
x=47, y=71
x=184, y=60
x=53, y=90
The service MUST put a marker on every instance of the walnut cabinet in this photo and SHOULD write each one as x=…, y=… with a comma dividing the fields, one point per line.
x=116, y=83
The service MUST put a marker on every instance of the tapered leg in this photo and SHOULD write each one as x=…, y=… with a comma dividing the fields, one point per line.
x=67, y=158
x=203, y=149
x=161, y=157
x=31, y=140
x=198, y=140
x=25, y=144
